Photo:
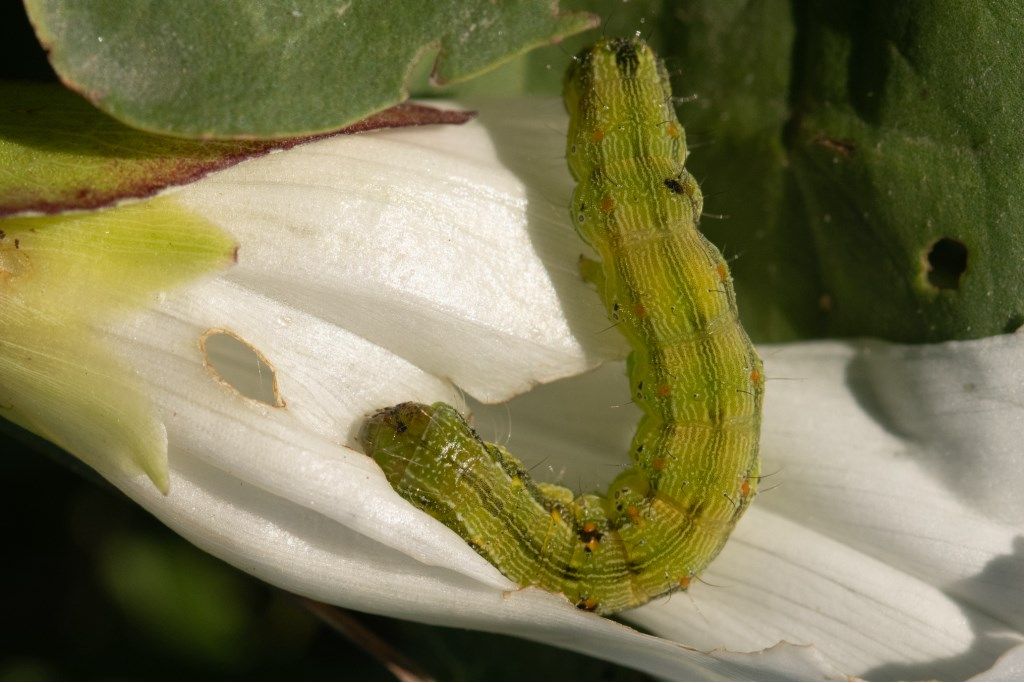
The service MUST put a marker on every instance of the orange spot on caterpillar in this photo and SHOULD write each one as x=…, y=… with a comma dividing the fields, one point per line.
x=639, y=310
x=633, y=513
x=745, y=488
x=684, y=582
x=658, y=464
x=588, y=604
x=672, y=130
x=590, y=534
x=723, y=272
x=607, y=204
x=597, y=136
x=664, y=390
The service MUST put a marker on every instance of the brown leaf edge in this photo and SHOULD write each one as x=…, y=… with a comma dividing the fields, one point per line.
x=191, y=169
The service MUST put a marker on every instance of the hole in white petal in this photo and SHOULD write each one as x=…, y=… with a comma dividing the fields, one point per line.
x=238, y=364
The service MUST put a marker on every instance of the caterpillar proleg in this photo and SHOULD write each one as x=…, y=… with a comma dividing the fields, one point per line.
x=692, y=371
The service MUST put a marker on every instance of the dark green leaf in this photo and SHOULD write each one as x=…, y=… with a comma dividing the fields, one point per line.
x=58, y=153
x=235, y=68
x=866, y=159
x=907, y=145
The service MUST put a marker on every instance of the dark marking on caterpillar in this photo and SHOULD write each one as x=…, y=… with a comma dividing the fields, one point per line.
x=698, y=380
x=626, y=57
x=674, y=185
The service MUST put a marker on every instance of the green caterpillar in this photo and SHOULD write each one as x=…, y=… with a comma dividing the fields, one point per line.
x=693, y=372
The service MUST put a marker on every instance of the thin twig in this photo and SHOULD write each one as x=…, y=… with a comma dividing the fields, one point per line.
x=400, y=666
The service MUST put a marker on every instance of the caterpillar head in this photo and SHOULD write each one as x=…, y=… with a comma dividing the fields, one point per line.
x=610, y=88
x=613, y=63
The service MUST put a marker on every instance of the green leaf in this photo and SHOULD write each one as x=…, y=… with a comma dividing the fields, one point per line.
x=59, y=153
x=865, y=158
x=541, y=71
x=907, y=136
x=272, y=69
x=60, y=278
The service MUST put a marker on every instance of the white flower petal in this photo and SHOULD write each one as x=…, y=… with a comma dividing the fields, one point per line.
x=777, y=580
x=330, y=381
x=860, y=463
x=396, y=232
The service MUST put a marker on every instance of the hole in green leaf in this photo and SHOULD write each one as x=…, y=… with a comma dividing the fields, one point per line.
x=236, y=363
x=946, y=262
